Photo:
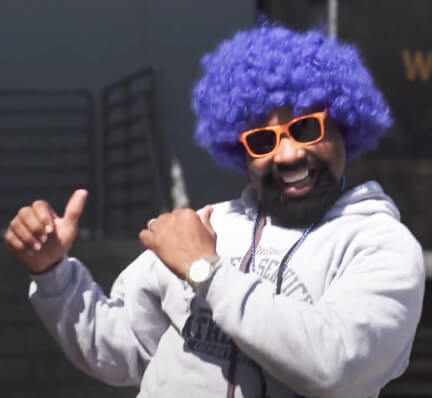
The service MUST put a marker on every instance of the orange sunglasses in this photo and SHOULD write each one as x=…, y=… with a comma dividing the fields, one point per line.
x=304, y=130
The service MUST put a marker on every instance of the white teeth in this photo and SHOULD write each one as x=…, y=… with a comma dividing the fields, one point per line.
x=296, y=176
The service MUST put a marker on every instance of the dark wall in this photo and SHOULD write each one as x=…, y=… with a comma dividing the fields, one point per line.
x=183, y=33
x=298, y=15
x=395, y=40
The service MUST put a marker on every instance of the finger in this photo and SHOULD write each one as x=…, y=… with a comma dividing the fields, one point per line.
x=46, y=215
x=205, y=214
x=146, y=237
x=24, y=234
x=33, y=223
x=16, y=246
x=13, y=241
x=149, y=223
x=158, y=221
x=75, y=206
x=163, y=216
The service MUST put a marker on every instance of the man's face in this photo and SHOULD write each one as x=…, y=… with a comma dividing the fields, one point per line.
x=297, y=184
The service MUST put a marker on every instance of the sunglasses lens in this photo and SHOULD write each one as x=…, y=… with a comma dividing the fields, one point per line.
x=262, y=141
x=305, y=130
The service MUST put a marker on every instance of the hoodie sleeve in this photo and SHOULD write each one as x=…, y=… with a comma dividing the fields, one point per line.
x=353, y=340
x=95, y=331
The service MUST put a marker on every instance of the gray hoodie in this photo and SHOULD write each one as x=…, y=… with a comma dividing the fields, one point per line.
x=343, y=325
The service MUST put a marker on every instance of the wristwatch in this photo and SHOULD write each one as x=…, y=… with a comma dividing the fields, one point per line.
x=201, y=270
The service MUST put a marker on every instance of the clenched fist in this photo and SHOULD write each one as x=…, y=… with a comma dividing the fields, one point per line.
x=181, y=237
x=39, y=238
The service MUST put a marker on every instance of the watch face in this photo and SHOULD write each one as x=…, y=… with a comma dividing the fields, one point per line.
x=199, y=271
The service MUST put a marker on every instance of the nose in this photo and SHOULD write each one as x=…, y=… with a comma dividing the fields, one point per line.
x=288, y=151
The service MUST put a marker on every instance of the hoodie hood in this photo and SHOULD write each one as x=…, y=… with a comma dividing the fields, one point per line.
x=365, y=199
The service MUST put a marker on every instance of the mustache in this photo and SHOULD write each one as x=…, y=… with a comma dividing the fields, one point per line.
x=280, y=168
x=307, y=162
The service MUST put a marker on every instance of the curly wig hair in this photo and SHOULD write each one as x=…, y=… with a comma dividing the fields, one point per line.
x=247, y=77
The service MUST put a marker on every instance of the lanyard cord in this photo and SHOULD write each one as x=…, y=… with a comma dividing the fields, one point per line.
x=248, y=265
x=288, y=255
x=244, y=267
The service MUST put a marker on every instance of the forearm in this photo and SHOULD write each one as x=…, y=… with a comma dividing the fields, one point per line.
x=317, y=350
x=267, y=330
x=90, y=328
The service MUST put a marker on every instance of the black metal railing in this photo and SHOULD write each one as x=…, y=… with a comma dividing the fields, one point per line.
x=134, y=178
x=47, y=140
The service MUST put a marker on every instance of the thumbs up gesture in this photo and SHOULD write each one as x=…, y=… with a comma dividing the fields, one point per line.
x=39, y=238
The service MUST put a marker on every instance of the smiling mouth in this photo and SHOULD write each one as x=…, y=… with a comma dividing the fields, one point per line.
x=298, y=182
x=294, y=177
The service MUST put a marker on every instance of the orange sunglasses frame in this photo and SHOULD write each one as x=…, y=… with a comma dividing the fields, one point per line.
x=280, y=129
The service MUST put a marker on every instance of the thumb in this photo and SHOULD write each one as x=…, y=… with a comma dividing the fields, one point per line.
x=75, y=206
x=204, y=214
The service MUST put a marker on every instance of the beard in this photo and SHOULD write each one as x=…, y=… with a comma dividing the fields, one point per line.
x=300, y=212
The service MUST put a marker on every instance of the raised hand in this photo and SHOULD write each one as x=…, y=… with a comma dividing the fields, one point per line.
x=180, y=237
x=39, y=238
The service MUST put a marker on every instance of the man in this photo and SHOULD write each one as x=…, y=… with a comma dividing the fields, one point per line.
x=301, y=287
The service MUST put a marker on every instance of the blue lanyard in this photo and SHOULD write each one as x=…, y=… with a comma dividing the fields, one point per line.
x=287, y=257
x=282, y=268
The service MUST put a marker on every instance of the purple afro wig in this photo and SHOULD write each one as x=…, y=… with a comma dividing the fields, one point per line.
x=267, y=67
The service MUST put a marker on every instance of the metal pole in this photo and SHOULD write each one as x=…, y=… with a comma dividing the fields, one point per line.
x=332, y=9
